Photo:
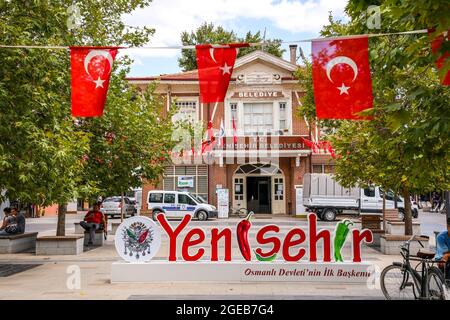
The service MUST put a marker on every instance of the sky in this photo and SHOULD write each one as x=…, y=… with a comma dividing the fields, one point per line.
x=289, y=20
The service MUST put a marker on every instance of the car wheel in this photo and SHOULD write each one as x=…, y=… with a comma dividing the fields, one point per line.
x=329, y=215
x=202, y=215
x=401, y=215
x=155, y=214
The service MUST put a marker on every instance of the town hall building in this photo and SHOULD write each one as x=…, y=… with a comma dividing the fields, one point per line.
x=263, y=171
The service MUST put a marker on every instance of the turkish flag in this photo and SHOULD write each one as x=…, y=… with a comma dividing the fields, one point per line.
x=341, y=76
x=437, y=44
x=91, y=68
x=215, y=66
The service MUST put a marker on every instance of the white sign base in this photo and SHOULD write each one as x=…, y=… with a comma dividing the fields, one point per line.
x=164, y=271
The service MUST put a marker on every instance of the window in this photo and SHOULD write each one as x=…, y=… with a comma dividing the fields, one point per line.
x=185, y=199
x=155, y=198
x=317, y=168
x=234, y=115
x=369, y=192
x=239, y=189
x=323, y=168
x=199, y=174
x=283, y=116
x=169, y=198
x=258, y=118
x=187, y=111
x=278, y=182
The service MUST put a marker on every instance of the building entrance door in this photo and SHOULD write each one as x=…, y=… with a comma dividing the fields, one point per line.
x=259, y=194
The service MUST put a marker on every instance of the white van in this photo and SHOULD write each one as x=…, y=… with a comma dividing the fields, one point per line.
x=327, y=198
x=176, y=204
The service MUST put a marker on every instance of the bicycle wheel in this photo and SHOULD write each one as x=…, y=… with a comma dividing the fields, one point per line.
x=242, y=212
x=397, y=283
x=436, y=284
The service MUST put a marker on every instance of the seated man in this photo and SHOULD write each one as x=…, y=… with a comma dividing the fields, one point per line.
x=13, y=223
x=92, y=222
x=443, y=250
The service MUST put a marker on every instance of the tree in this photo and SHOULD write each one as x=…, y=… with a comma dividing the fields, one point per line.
x=208, y=33
x=41, y=147
x=406, y=147
x=131, y=142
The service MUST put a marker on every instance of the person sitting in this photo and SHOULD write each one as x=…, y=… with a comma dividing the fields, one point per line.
x=92, y=222
x=13, y=223
x=443, y=250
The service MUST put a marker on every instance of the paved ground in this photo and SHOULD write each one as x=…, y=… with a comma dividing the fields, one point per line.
x=56, y=277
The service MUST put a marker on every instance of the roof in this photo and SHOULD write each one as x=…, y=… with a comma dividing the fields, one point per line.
x=192, y=75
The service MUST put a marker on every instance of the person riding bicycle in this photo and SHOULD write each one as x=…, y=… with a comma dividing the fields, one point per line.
x=443, y=249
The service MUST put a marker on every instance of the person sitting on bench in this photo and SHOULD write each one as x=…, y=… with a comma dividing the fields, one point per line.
x=13, y=223
x=92, y=222
x=443, y=249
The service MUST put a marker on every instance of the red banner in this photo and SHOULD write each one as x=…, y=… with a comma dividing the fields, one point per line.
x=341, y=76
x=215, y=66
x=90, y=68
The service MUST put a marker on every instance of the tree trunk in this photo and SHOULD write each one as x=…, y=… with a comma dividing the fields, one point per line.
x=61, y=226
x=121, y=207
x=384, y=211
x=408, y=215
x=447, y=205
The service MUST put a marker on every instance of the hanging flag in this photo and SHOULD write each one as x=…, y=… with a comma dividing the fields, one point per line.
x=326, y=145
x=437, y=43
x=90, y=68
x=215, y=66
x=341, y=76
x=311, y=144
x=221, y=135
x=208, y=143
x=234, y=132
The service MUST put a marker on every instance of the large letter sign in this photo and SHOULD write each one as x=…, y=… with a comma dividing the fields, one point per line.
x=138, y=239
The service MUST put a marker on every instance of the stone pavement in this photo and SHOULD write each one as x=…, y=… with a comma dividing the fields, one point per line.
x=55, y=277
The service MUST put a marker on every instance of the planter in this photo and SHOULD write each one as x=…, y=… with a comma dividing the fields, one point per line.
x=390, y=244
x=98, y=239
x=398, y=228
x=18, y=242
x=114, y=227
x=59, y=245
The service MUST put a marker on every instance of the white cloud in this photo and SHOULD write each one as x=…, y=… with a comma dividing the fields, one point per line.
x=171, y=17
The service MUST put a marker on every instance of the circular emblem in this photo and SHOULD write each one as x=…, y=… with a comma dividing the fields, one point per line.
x=137, y=239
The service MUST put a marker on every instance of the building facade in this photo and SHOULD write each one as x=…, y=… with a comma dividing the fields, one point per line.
x=264, y=169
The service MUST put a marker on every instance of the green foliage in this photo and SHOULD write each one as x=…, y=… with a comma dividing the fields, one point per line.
x=208, y=33
x=42, y=148
x=130, y=142
x=406, y=147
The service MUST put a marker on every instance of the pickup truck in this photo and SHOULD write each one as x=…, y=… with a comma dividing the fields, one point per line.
x=327, y=198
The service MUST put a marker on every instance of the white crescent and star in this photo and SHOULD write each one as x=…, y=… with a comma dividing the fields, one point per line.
x=345, y=60
x=225, y=68
x=94, y=53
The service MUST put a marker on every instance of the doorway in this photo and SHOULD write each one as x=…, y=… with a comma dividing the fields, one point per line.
x=259, y=194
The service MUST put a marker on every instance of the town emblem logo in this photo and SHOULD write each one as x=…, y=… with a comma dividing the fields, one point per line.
x=137, y=239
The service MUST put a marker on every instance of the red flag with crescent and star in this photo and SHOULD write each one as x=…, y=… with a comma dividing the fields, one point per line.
x=341, y=76
x=215, y=66
x=90, y=68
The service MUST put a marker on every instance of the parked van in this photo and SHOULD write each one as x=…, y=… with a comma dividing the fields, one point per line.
x=176, y=204
x=327, y=198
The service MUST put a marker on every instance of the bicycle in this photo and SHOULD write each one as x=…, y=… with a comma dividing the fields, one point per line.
x=401, y=281
x=240, y=212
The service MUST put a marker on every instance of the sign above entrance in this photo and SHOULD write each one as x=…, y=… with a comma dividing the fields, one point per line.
x=266, y=143
x=257, y=94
